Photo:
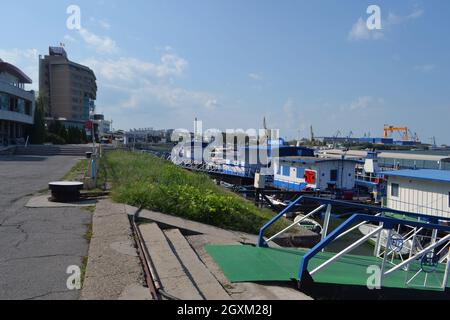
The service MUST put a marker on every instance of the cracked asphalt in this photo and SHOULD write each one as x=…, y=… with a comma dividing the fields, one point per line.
x=37, y=245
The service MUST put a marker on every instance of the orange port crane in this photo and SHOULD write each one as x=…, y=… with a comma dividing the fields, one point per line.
x=388, y=130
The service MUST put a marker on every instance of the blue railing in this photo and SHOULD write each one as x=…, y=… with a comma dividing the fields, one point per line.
x=423, y=221
x=388, y=223
x=321, y=201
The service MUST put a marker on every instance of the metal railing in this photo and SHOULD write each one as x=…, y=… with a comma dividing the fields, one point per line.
x=295, y=223
x=330, y=202
x=386, y=224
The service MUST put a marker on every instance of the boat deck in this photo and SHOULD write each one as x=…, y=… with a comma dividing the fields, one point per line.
x=242, y=263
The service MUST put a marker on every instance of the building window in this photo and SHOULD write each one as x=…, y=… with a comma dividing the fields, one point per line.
x=333, y=175
x=395, y=190
x=28, y=108
x=286, y=171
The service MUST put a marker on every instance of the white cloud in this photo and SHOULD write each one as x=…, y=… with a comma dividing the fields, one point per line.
x=104, y=24
x=102, y=44
x=293, y=117
x=256, y=76
x=69, y=38
x=25, y=59
x=359, y=30
x=365, y=102
x=143, y=83
x=132, y=69
x=396, y=19
x=425, y=68
x=166, y=95
x=15, y=56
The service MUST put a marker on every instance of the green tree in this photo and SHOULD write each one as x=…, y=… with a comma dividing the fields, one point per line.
x=38, y=133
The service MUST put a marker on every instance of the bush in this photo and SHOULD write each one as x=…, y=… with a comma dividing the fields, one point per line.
x=55, y=139
x=158, y=185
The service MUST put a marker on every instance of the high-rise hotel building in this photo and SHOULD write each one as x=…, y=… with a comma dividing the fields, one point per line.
x=70, y=88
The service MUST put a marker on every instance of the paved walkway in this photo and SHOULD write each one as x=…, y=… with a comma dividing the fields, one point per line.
x=37, y=245
x=114, y=271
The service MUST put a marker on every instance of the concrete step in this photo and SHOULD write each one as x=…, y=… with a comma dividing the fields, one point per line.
x=172, y=275
x=50, y=150
x=206, y=283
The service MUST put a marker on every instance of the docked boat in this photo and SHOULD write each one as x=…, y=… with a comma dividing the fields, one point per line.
x=398, y=245
x=308, y=224
x=277, y=202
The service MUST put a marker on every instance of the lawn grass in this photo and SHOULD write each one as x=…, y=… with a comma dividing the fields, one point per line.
x=155, y=184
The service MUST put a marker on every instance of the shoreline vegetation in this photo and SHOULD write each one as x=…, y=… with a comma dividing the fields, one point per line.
x=155, y=184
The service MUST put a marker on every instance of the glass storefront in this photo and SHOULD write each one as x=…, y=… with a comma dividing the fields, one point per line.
x=4, y=101
x=15, y=104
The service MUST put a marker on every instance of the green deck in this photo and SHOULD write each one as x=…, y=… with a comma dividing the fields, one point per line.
x=252, y=264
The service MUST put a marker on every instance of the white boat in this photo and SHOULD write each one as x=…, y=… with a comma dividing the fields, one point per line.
x=276, y=202
x=309, y=224
x=398, y=244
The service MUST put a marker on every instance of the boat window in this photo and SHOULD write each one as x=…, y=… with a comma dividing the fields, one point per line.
x=286, y=171
x=300, y=173
x=333, y=175
x=395, y=189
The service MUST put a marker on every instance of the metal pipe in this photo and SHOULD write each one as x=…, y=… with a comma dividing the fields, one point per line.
x=295, y=223
x=447, y=271
x=385, y=257
x=419, y=255
x=346, y=250
x=326, y=222
x=355, y=227
x=377, y=249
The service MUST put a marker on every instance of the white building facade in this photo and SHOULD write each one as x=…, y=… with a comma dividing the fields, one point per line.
x=419, y=191
x=16, y=104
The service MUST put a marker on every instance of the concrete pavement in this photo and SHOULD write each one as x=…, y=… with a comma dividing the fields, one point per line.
x=114, y=270
x=37, y=245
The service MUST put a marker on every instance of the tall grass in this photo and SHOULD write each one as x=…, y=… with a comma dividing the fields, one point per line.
x=158, y=185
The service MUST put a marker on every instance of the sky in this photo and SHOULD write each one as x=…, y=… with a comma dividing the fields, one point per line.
x=230, y=63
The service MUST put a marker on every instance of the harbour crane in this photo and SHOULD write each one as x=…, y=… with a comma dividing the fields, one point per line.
x=388, y=130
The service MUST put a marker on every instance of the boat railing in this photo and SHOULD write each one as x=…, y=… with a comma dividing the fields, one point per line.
x=356, y=206
x=384, y=223
x=393, y=244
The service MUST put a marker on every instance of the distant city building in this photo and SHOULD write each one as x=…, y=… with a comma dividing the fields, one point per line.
x=70, y=88
x=102, y=127
x=148, y=135
x=16, y=104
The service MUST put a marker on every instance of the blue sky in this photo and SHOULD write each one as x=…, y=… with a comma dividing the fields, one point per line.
x=230, y=63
